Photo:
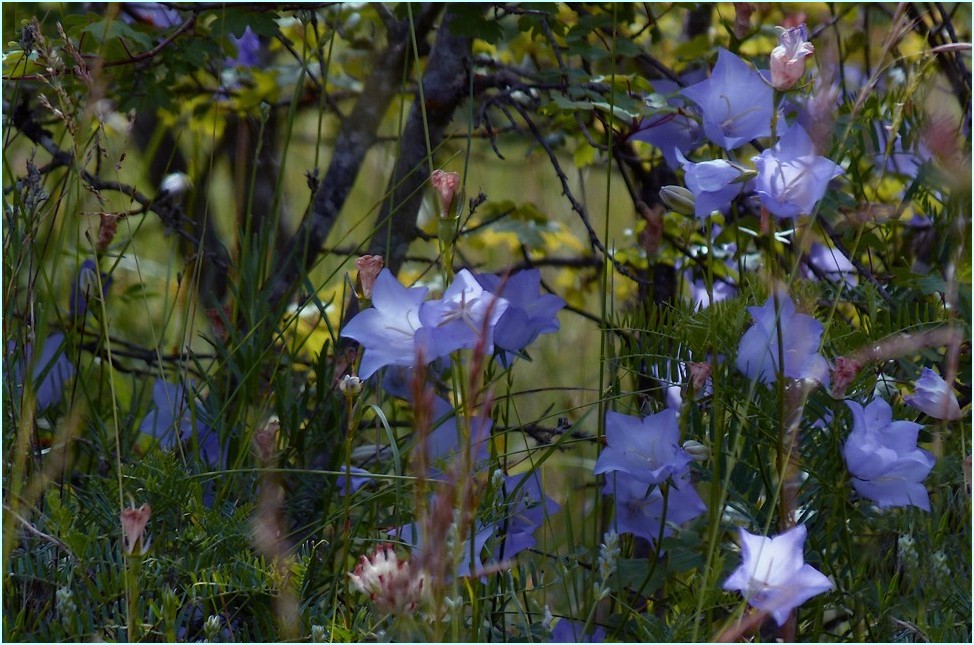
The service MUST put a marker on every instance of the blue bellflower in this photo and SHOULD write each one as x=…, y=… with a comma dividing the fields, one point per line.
x=757, y=354
x=387, y=331
x=791, y=178
x=410, y=535
x=773, y=576
x=647, y=449
x=248, y=49
x=671, y=131
x=443, y=443
x=640, y=507
x=714, y=185
x=529, y=312
x=172, y=422
x=459, y=319
x=528, y=507
x=833, y=263
x=882, y=455
x=737, y=103
x=934, y=397
x=51, y=371
x=570, y=631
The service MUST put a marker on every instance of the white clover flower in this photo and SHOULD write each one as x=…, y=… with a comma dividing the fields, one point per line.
x=393, y=586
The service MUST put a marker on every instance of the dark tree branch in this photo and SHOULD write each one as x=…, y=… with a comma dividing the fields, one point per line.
x=356, y=138
x=444, y=88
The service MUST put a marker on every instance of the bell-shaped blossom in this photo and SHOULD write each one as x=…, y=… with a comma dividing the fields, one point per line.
x=648, y=449
x=387, y=331
x=357, y=478
x=934, y=397
x=757, y=354
x=722, y=290
x=463, y=318
x=529, y=312
x=469, y=565
x=172, y=422
x=773, y=576
x=833, y=264
x=51, y=371
x=248, y=49
x=672, y=131
x=737, y=103
x=85, y=288
x=642, y=509
x=791, y=178
x=714, y=185
x=882, y=455
x=570, y=631
x=527, y=507
x=443, y=443
x=788, y=58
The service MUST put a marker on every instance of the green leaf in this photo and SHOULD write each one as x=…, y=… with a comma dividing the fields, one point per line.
x=106, y=29
x=469, y=20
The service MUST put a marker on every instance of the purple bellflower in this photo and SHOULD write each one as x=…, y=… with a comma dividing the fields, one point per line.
x=387, y=331
x=934, y=397
x=792, y=179
x=773, y=576
x=359, y=478
x=701, y=298
x=714, y=185
x=529, y=312
x=882, y=455
x=647, y=449
x=172, y=422
x=833, y=264
x=570, y=631
x=458, y=320
x=412, y=537
x=528, y=507
x=737, y=103
x=51, y=371
x=757, y=354
x=640, y=507
x=248, y=49
x=85, y=286
x=443, y=442
x=674, y=131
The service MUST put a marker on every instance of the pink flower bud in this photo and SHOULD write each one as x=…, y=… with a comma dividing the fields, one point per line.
x=445, y=184
x=368, y=267
x=133, y=526
x=699, y=373
x=843, y=374
x=788, y=58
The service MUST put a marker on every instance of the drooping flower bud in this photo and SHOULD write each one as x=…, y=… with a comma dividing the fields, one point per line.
x=368, y=267
x=699, y=373
x=788, y=58
x=678, y=199
x=446, y=184
x=350, y=386
x=133, y=526
x=697, y=450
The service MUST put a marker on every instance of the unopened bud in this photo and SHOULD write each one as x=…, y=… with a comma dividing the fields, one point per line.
x=843, y=374
x=678, y=199
x=350, y=386
x=697, y=450
x=368, y=267
x=446, y=184
x=699, y=373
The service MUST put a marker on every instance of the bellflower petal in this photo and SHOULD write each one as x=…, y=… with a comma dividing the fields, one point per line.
x=387, y=331
x=458, y=319
x=757, y=355
x=736, y=102
x=934, y=397
x=791, y=178
x=883, y=458
x=712, y=184
x=833, y=263
x=773, y=576
x=529, y=313
x=648, y=449
x=640, y=506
